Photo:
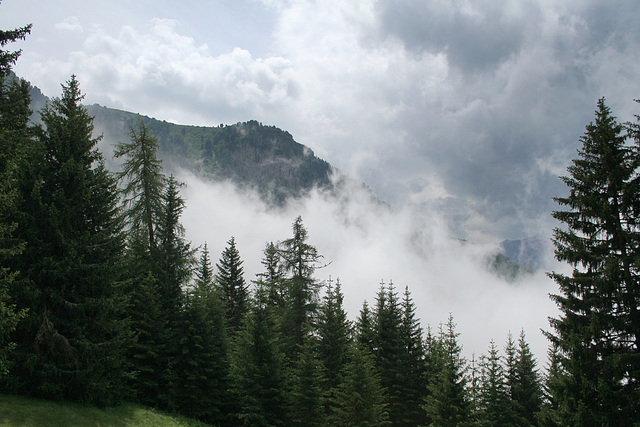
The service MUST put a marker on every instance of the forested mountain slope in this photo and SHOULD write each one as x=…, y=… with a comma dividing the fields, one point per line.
x=249, y=154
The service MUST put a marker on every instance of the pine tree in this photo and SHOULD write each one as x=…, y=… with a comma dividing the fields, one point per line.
x=72, y=343
x=597, y=331
x=307, y=397
x=270, y=283
x=230, y=280
x=447, y=403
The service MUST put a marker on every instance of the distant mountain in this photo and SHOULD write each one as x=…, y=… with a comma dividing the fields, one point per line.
x=526, y=252
x=249, y=154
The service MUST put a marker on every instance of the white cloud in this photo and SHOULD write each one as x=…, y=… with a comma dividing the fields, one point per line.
x=71, y=24
x=366, y=243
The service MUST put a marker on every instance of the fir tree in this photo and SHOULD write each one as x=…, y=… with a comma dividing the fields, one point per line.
x=200, y=387
x=597, y=331
x=71, y=345
x=307, y=392
x=14, y=135
x=494, y=397
x=447, y=403
x=257, y=371
x=333, y=330
x=412, y=364
x=524, y=385
x=270, y=283
x=388, y=349
x=365, y=333
x=359, y=399
x=230, y=280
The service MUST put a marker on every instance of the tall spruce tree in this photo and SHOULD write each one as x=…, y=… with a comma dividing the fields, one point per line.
x=334, y=331
x=14, y=136
x=365, y=333
x=230, y=280
x=524, y=384
x=202, y=365
x=71, y=345
x=493, y=405
x=258, y=376
x=447, y=403
x=412, y=364
x=597, y=331
x=388, y=349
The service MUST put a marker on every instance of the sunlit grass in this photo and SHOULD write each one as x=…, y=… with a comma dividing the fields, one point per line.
x=20, y=411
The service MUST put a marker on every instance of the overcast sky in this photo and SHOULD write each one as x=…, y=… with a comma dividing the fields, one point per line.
x=471, y=107
x=460, y=114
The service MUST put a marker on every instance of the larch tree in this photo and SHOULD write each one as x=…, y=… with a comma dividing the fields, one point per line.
x=597, y=330
x=300, y=260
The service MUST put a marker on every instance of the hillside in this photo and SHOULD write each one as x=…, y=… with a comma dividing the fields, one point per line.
x=21, y=411
x=249, y=154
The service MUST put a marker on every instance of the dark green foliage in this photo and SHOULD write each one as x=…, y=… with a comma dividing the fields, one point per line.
x=365, y=333
x=334, y=332
x=144, y=182
x=447, y=403
x=173, y=257
x=493, y=404
x=270, y=283
x=525, y=386
x=71, y=344
x=359, y=398
x=388, y=349
x=233, y=289
x=307, y=395
x=300, y=260
x=257, y=372
x=412, y=364
x=597, y=331
x=202, y=362
x=14, y=135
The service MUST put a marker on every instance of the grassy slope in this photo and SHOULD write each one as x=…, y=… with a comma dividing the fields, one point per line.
x=20, y=411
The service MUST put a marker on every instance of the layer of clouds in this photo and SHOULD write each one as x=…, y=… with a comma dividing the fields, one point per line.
x=469, y=108
x=365, y=243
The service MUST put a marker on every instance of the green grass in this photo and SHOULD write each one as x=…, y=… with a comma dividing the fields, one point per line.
x=21, y=411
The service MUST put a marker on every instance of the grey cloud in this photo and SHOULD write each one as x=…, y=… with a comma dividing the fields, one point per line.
x=473, y=40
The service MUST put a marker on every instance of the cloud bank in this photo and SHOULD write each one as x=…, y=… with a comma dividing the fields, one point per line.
x=365, y=243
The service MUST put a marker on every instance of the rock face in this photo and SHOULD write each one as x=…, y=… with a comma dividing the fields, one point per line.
x=249, y=154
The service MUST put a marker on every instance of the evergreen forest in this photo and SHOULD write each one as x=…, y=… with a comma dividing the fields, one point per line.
x=103, y=300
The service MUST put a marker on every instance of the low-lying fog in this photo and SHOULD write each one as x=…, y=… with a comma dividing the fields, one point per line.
x=365, y=243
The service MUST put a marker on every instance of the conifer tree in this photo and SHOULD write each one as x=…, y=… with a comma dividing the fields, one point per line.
x=72, y=343
x=300, y=260
x=388, y=349
x=306, y=398
x=447, y=403
x=597, y=331
x=524, y=385
x=14, y=135
x=144, y=182
x=334, y=331
x=230, y=280
x=200, y=386
x=365, y=333
x=257, y=371
x=270, y=283
x=494, y=398
x=359, y=398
